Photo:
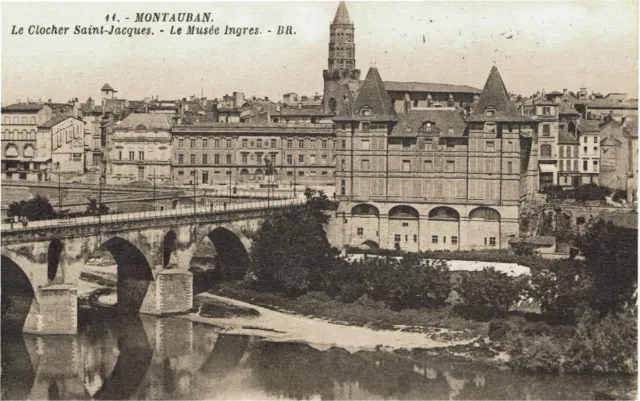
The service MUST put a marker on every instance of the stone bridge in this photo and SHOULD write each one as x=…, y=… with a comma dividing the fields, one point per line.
x=42, y=262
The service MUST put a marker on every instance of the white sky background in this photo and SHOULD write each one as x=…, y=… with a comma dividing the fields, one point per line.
x=555, y=45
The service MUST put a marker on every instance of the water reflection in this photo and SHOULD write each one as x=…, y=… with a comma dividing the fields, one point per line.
x=117, y=357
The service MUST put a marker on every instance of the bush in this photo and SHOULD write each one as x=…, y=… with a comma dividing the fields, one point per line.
x=488, y=289
x=539, y=354
x=591, y=192
x=620, y=195
x=500, y=328
x=38, y=208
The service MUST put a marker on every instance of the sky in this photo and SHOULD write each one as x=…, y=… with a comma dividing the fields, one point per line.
x=535, y=45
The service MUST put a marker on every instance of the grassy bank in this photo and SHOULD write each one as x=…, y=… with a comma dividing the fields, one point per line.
x=364, y=312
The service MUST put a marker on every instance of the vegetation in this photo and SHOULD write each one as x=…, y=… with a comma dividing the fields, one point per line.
x=488, y=292
x=93, y=209
x=38, y=208
x=587, y=192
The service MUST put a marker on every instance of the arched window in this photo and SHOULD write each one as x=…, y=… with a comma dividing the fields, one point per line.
x=444, y=213
x=259, y=171
x=484, y=213
x=403, y=212
x=28, y=151
x=244, y=171
x=365, y=111
x=365, y=210
x=11, y=150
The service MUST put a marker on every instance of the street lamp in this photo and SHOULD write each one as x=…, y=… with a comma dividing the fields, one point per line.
x=195, y=183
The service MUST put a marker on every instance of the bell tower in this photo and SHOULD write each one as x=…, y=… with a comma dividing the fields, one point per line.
x=341, y=72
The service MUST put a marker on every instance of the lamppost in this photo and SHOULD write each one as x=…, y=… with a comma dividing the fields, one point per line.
x=294, y=177
x=195, y=183
x=101, y=183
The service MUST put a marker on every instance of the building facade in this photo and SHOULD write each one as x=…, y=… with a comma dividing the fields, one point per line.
x=589, y=151
x=20, y=123
x=61, y=140
x=619, y=156
x=140, y=149
x=427, y=179
x=236, y=153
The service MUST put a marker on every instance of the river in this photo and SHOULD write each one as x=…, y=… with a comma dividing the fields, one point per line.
x=146, y=357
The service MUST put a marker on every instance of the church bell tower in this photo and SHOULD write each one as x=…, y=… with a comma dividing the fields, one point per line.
x=341, y=74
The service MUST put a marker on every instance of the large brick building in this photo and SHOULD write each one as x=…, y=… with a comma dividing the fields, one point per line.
x=427, y=179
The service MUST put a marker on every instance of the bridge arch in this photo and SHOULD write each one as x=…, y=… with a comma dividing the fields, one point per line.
x=365, y=209
x=231, y=251
x=134, y=273
x=18, y=296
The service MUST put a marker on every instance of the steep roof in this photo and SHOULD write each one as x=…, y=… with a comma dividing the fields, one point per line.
x=495, y=95
x=394, y=86
x=149, y=120
x=55, y=120
x=106, y=87
x=410, y=123
x=589, y=126
x=567, y=138
x=568, y=109
x=342, y=15
x=374, y=95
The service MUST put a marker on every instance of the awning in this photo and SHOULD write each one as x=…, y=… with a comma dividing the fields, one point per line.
x=548, y=168
x=41, y=159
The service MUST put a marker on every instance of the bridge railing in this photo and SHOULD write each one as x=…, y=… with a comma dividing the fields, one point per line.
x=184, y=211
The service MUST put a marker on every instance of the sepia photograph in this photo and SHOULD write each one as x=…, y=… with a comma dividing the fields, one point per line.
x=319, y=200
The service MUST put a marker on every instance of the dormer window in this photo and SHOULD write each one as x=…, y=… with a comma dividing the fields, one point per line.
x=490, y=112
x=365, y=111
x=427, y=127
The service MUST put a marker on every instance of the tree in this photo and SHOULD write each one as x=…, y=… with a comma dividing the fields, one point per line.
x=291, y=252
x=38, y=208
x=489, y=289
x=94, y=210
x=611, y=254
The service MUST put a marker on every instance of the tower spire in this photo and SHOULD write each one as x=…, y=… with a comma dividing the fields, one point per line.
x=342, y=15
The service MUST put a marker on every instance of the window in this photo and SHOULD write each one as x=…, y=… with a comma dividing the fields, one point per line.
x=205, y=159
x=343, y=187
x=119, y=155
x=193, y=142
x=490, y=146
x=428, y=165
x=585, y=149
x=180, y=172
x=312, y=159
x=454, y=240
x=595, y=165
x=415, y=238
x=344, y=144
x=546, y=110
x=595, y=139
x=561, y=168
x=585, y=139
x=216, y=159
x=434, y=239
x=273, y=143
x=575, y=165
x=365, y=144
x=595, y=149
x=492, y=241
x=193, y=159
x=397, y=238
x=24, y=120
x=406, y=165
x=364, y=165
x=324, y=144
x=245, y=158
x=228, y=143
x=289, y=143
x=181, y=143
x=366, y=126
x=228, y=159
x=245, y=143
x=585, y=165
x=360, y=231
x=428, y=145
x=141, y=154
x=300, y=173
x=216, y=143
x=289, y=159
x=180, y=158
x=300, y=143
x=259, y=158
x=301, y=159
x=509, y=167
x=545, y=150
x=273, y=158
x=489, y=112
x=289, y=173
x=312, y=144
x=451, y=145
x=490, y=127
x=451, y=165
x=546, y=130
x=132, y=155
x=205, y=142
x=324, y=160
x=259, y=143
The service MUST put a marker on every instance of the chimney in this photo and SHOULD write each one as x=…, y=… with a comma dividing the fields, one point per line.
x=564, y=92
x=266, y=98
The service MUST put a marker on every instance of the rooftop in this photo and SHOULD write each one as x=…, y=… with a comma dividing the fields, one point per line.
x=342, y=15
x=495, y=96
x=394, y=86
x=145, y=121
x=54, y=121
x=23, y=107
x=589, y=126
x=442, y=120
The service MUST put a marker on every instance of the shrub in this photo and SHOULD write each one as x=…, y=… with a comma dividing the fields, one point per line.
x=38, y=208
x=591, y=192
x=488, y=289
x=539, y=354
x=537, y=329
x=500, y=328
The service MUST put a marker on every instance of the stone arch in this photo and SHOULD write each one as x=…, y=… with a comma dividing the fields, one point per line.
x=232, y=253
x=11, y=150
x=54, y=254
x=18, y=296
x=365, y=209
x=370, y=244
x=485, y=213
x=28, y=150
x=134, y=273
x=404, y=212
x=444, y=213
x=169, y=244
